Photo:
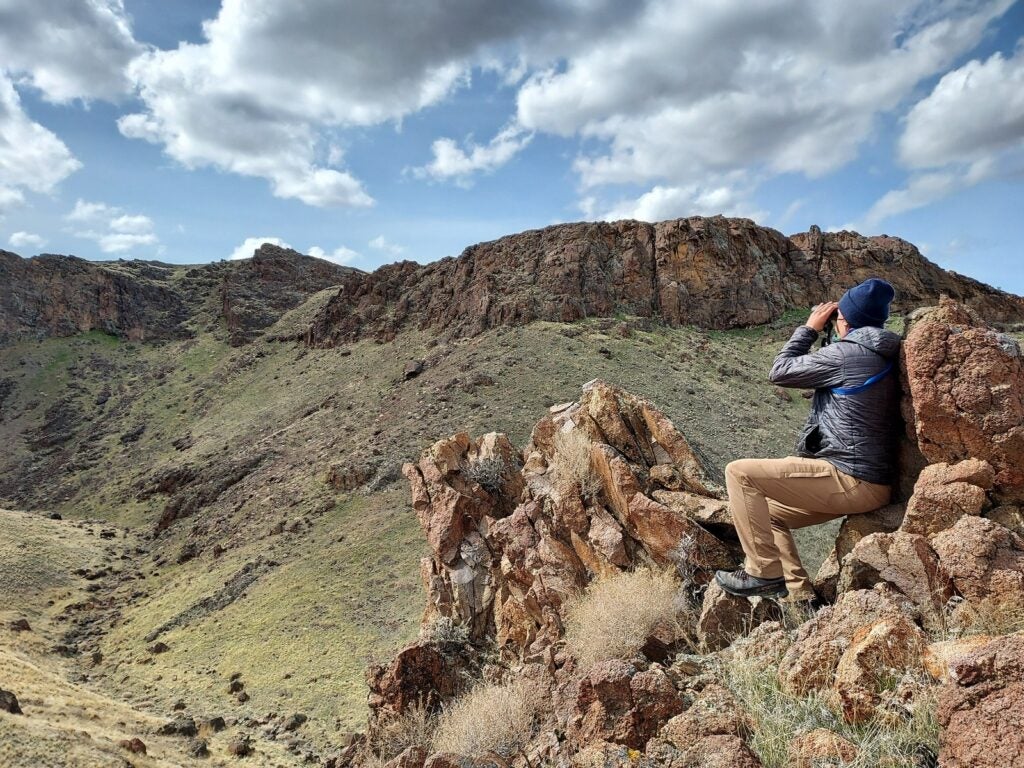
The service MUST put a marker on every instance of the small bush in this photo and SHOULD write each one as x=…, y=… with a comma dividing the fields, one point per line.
x=614, y=616
x=445, y=633
x=572, y=471
x=414, y=728
x=490, y=718
x=488, y=473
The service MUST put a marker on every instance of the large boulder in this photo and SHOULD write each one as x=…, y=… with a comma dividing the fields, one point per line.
x=984, y=560
x=877, y=655
x=946, y=492
x=821, y=747
x=980, y=709
x=906, y=562
x=853, y=529
x=966, y=387
x=724, y=617
x=619, y=704
x=810, y=662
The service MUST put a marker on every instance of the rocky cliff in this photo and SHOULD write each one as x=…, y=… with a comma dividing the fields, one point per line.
x=52, y=295
x=928, y=596
x=709, y=272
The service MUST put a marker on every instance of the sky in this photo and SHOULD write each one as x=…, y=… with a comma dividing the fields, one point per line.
x=368, y=131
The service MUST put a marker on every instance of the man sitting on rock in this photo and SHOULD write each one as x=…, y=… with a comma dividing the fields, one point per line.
x=844, y=461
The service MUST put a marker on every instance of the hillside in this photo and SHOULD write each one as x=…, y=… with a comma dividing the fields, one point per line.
x=244, y=424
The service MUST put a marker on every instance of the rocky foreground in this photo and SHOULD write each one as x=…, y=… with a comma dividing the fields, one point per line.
x=927, y=596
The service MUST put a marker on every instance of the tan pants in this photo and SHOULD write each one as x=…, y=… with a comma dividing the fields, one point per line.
x=771, y=497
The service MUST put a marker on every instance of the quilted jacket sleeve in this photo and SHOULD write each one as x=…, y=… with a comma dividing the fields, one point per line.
x=797, y=366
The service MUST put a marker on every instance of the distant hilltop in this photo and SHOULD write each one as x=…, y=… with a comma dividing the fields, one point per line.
x=712, y=272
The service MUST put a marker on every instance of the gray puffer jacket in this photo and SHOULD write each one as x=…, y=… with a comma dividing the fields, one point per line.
x=855, y=432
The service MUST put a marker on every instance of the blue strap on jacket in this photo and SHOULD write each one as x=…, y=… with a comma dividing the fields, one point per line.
x=861, y=387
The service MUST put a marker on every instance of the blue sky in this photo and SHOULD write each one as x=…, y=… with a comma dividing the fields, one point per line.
x=367, y=132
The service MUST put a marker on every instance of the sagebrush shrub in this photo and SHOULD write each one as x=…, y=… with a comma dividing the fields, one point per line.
x=614, y=616
x=492, y=717
x=571, y=470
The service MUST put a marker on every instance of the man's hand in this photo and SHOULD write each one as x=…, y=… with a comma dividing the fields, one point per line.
x=820, y=315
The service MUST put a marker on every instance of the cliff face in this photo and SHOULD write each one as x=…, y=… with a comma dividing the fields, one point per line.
x=710, y=272
x=62, y=295
x=53, y=295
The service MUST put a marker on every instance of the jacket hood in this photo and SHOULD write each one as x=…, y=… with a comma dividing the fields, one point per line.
x=886, y=343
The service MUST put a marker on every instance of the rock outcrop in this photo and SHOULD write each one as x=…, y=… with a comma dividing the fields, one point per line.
x=53, y=295
x=980, y=710
x=508, y=551
x=62, y=295
x=966, y=395
x=710, y=272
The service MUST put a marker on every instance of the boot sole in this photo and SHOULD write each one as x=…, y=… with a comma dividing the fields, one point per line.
x=773, y=590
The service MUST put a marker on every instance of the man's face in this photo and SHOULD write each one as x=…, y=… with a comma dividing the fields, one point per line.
x=842, y=327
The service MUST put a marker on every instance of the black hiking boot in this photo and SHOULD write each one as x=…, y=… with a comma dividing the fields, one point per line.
x=742, y=584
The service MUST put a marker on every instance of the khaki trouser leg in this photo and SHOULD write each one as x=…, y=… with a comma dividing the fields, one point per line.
x=771, y=497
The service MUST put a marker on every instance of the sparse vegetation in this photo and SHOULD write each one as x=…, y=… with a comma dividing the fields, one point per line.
x=496, y=718
x=901, y=741
x=445, y=633
x=413, y=728
x=572, y=471
x=488, y=472
x=614, y=616
x=991, y=617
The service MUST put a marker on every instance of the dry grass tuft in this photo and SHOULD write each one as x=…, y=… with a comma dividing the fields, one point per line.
x=991, y=617
x=572, y=471
x=614, y=616
x=778, y=718
x=490, y=718
x=413, y=728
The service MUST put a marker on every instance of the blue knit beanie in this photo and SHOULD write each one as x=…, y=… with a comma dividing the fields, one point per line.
x=867, y=304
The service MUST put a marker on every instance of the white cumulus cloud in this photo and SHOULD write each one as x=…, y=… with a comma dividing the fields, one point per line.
x=26, y=240
x=113, y=230
x=693, y=90
x=68, y=49
x=381, y=243
x=250, y=245
x=340, y=255
x=663, y=202
x=32, y=158
x=460, y=163
x=968, y=129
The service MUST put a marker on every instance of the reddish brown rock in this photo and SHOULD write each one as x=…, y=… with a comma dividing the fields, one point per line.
x=939, y=657
x=810, y=662
x=135, y=745
x=967, y=393
x=716, y=751
x=984, y=560
x=617, y=704
x=877, y=655
x=905, y=561
x=821, y=747
x=725, y=617
x=980, y=711
x=714, y=712
x=419, y=675
x=944, y=493
x=853, y=529
x=412, y=757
